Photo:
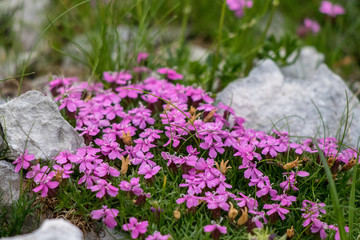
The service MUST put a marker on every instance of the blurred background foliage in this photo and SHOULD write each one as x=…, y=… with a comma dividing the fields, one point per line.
x=107, y=34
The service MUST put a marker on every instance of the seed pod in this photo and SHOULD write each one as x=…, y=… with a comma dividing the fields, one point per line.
x=349, y=165
x=232, y=212
x=125, y=162
x=223, y=166
x=244, y=217
x=209, y=115
x=126, y=138
x=292, y=164
x=177, y=214
x=192, y=110
x=290, y=233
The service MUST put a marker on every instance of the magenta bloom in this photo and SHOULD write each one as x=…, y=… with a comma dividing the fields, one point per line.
x=214, y=148
x=136, y=227
x=107, y=215
x=237, y=6
x=45, y=183
x=215, y=230
x=23, y=161
x=120, y=78
x=64, y=170
x=217, y=201
x=319, y=226
x=191, y=201
x=148, y=171
x=330, y=9
x=170, y=74
x=133, y=186
x=142, y=56
x=158, y=236
x=244, y=200
x=103, y=187
x=276, y=208
x=211, y=228
x=312, y=25
x=71, y=104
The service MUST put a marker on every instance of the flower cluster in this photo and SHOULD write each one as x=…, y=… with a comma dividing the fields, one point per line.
x=140, y=132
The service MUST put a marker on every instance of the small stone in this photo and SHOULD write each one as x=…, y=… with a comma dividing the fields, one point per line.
x=33, y=122
x=53, y=229
x=9, y=183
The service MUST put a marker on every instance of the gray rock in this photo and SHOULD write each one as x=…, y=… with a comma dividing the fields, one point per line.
x=9, y=183
x=292, y=97
x=33, y=122
x=53, y=229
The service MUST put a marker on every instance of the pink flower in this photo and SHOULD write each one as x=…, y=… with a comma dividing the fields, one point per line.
x=312, y=25
x=107, y=215
x=148, y=171
x=215, y=230
x=104, y=169
x=45, y=183
x=37, y=172
x=244, y=200
x=213, y=147
x=276, y=208
x=330, y=9
x=64, y=171
x=136, y=227
x=120, y=78
x=191, y=201
x=23, y=161
x=257, y=217
x=133, y=186
x=141, y=117
x=170, y=74
x=158, y=236
x=238, y=6
x=71, y=104
x=320, y=227
x=103, y=187
x=142, y=56
x=217, y=201
x=284, y=199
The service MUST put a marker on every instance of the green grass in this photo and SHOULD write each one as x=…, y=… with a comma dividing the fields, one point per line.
x=13, y=217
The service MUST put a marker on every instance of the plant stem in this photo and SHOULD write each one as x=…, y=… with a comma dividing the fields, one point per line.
x=219, y=40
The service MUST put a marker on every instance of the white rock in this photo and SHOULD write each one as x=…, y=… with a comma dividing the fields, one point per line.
x=53, y=229
x=9, y=183
x=33, y=122
x=287, y=98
